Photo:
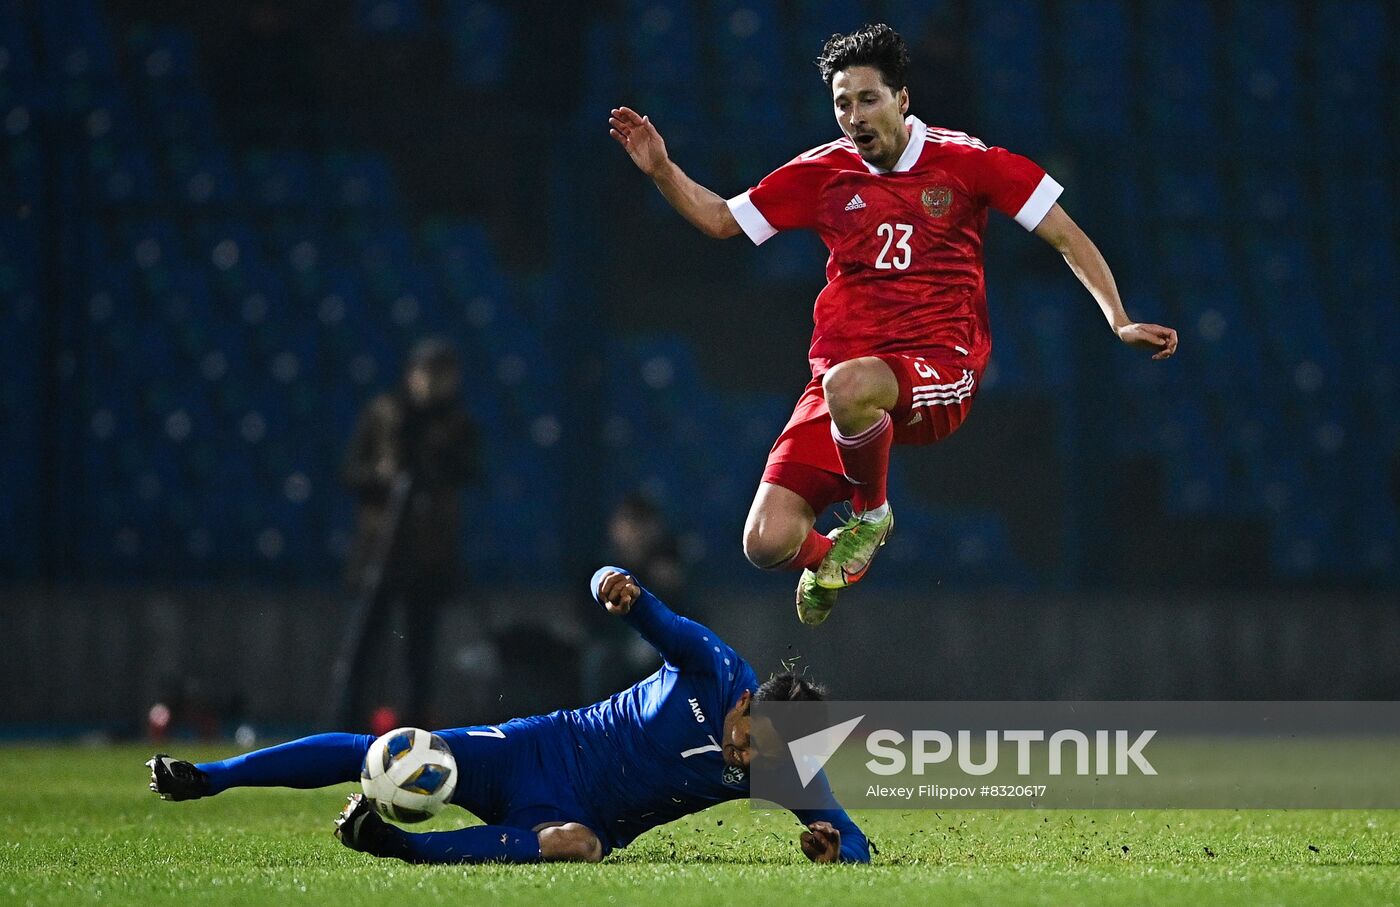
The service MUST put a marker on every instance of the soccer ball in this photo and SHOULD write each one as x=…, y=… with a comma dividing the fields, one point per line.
x=409, y=774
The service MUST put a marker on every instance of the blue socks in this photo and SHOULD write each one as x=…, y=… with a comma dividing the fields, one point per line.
x=478, y=844
x=327, y=759
x=318, y=761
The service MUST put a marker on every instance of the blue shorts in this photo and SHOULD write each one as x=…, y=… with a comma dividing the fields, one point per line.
x=511, y=774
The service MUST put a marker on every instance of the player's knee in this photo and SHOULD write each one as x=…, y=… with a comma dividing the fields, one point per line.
x=767, y=549
x=570, y=843
x=844, y=387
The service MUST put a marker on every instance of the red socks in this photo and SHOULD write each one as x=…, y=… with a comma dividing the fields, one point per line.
x=814, y=548
x=865, y=459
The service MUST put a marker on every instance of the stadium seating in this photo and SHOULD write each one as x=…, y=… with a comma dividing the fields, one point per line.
x=235, y=321
x=231, y=306
x=480, y=34
x=1009, y=49
x=1180, y=71
x=1093, y=59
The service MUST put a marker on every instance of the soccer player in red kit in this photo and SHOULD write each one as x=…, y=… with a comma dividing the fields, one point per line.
x=901, y=334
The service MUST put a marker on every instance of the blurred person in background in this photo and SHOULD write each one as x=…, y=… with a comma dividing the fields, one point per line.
x=637, y=534
x=413, y=451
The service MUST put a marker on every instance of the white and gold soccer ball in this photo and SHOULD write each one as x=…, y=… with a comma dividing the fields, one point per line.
x=409, y=774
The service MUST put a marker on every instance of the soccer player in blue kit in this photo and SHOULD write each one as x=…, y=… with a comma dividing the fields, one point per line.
x=570, y=785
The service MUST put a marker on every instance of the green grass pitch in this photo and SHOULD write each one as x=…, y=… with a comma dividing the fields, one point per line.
x=82, y=828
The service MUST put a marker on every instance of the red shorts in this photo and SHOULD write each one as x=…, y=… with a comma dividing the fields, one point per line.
x=935, y=395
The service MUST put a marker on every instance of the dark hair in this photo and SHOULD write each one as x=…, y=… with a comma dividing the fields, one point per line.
x=790, y=686
x=871, y=45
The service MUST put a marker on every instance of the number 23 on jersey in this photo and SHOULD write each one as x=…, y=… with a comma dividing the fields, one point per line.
x=896, y=252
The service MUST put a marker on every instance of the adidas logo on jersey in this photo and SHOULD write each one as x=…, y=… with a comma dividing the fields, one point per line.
x=856, y=203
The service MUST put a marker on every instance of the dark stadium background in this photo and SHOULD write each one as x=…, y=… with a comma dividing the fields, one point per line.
x=222, y=225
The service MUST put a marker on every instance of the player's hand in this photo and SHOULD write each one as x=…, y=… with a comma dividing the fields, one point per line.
x=821, y=843
x=618, y=592
x=638, y=138
x=1149, y=337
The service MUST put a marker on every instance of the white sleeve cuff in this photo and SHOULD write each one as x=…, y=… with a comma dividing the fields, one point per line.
x=1039, y=204
x=754, y=224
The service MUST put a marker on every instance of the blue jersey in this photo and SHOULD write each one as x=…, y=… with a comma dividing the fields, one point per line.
x=651, y=753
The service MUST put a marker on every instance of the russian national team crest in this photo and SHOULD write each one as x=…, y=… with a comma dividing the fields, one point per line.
x=937, y=200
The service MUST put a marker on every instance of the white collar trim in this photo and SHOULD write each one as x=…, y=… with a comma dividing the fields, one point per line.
x=917, y=133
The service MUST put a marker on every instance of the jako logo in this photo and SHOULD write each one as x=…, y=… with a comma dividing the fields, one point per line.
x=695, y=707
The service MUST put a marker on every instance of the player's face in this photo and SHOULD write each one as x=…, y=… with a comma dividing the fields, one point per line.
x=871, y=114
x=737, y=745
x=743, y=736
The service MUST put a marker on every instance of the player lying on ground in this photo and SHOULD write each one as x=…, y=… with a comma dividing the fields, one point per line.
x=571, y=785
x=901, y=333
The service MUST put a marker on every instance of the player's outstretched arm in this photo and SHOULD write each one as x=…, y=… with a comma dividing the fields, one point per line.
x=832, y=837
x=705, y=210
x=682, y=642
x=1088, y=265
x=616, y=591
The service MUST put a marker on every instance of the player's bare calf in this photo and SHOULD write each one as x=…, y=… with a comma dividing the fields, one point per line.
x=778, y=523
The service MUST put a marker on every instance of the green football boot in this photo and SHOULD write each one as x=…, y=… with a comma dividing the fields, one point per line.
x=855, y=546
x=814, y=603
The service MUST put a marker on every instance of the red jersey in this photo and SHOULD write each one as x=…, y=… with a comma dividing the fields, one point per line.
x=905, y=272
